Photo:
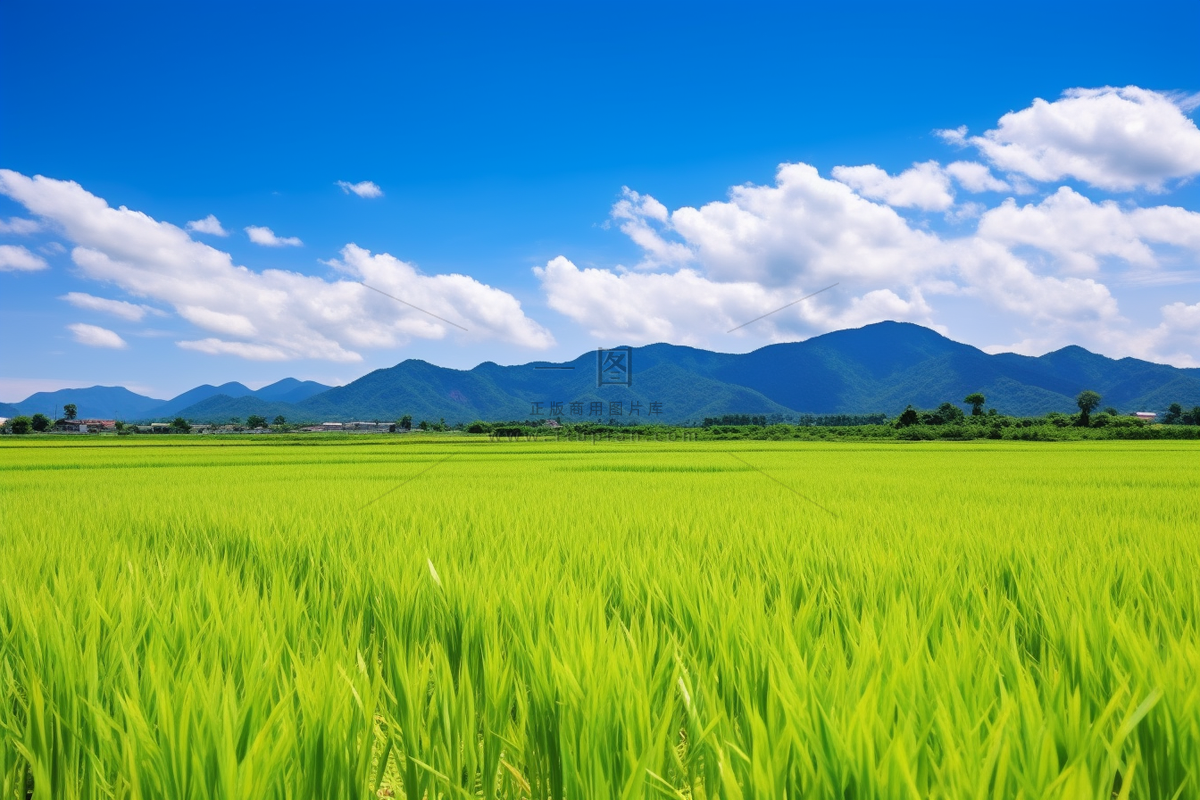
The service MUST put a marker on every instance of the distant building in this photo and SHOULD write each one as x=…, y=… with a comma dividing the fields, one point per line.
x=1149, y=416
x=98, y=424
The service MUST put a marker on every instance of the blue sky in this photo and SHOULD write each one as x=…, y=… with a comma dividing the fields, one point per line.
x=561, y=176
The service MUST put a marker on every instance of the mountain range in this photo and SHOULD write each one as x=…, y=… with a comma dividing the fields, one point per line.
x=117, y=402
x=879, y=368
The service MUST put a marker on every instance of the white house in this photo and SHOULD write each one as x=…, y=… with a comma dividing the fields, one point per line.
x=1149, y=416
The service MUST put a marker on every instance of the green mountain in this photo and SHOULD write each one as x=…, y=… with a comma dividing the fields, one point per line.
x=879, y=368
x=96, y=402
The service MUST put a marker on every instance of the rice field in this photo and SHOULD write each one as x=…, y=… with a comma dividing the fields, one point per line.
x=460, y=618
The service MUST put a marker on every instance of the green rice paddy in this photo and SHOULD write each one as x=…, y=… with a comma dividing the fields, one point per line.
x=462, y=618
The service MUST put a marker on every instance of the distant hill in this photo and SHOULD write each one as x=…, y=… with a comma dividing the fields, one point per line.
x=878, y=368
x=223, y=408
x=193, y=396
x=115, y=402
x=98, y=402
x=220, y=403
x=289, y=390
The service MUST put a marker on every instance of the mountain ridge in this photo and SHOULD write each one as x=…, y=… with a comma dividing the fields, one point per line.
x=878, y=368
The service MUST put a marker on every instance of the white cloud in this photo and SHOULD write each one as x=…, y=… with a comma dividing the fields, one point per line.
x=95, y=336
x=251, y=352
x=14, y=258
x=804, y=230
x=1078, y=232
x=119, y=308
x=711, y=268
x=267, y=238
x=19, y=227
x=1177, y=338
x=975, y=177
x=992, y=273
x=1112, y=138
x=955, y=136
x=366, y=189
x=210, y=225
x=687, y=308
x=635, y=213
x=485, y=311
x=53, y=249
x=279, y=314
x=922, y=186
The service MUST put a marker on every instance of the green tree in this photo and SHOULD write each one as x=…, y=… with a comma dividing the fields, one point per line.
x=406, y=422
x=908, y=417
x=1192, y=417
x=70, y=411
x=180, y=425
x=279, y=420
x=424, y=425
x=1174, y=413
x=256, y=421
x=976, y=401
x=40, y=422
x=21, y=425
x=1087, y=402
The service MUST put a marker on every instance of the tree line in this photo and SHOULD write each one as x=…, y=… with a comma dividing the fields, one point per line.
x=948, y=418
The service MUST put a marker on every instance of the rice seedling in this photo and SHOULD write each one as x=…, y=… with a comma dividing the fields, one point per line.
x=476, y=619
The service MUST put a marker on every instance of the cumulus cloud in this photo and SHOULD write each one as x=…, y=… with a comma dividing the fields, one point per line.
x=975, y=177
x=687, y=308
x=635, y=215
x=19, y=227
x=15, y=258
x=734, y=260
x=210, y=225
x=1079, y=232
x=95, y=336
x=1177, y=338
x=272, y=314
x=992, y=273
x=707, y=269
x=366, y=189
x=119, y=308
x=1117, y=139
x=267, y=238
x=922, y=186
x=484, y=310
x=803, y=229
